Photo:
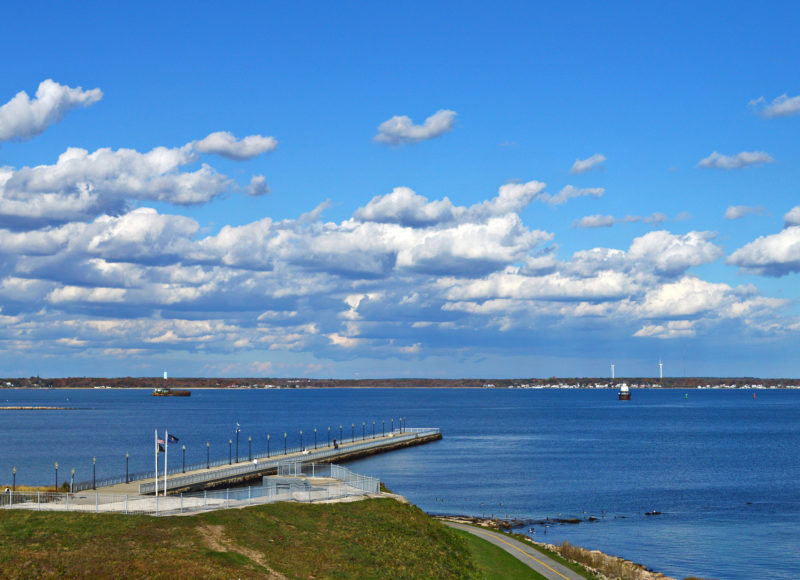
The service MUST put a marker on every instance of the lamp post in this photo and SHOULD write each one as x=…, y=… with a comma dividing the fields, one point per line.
x=237, y=442
x=329, y=436
x=183, y=449
x=14, y=484
x=127, y=457
x=340, y=433
x=71, y=479
x=56, y=475
x=363, y=430
x=94, y=472
x=315, y=438
x=383, y=427
x=301, y=439
x=373, y=429
x=284, y=442
x=249, y=448
x=208, y=455
x=267, y=445
x=392, y=425
x=352, y=432
x=230, y=451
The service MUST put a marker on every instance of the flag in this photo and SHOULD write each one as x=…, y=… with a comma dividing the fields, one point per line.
x=160, y=441
x=160, y=449
x=172, y=439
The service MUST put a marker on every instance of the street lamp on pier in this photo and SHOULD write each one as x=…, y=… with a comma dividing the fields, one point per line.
x=284, y=442
x=373, y=429
x=237, y=441
x=71, y=479
x=352, y=432
x=14, y=484
x=267, y=445
x=301, y=439
x=249, y=448
x=230, y=452
x=94, y=472
x=56, y=475
x=363, y=430
x=383, y=427
x=392, y=425
x=183, y=449
x=340, y=433
x=127, y=458
x=315, y=438
x=208, y=455
x=329, y=436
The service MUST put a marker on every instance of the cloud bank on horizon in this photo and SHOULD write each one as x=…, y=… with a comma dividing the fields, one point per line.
x=88, y=269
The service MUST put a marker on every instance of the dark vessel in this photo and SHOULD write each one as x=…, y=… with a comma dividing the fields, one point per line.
x=165, y=392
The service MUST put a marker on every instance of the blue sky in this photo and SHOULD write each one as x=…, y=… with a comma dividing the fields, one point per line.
x=405, y=189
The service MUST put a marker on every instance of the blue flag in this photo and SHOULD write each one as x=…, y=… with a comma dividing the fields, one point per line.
x=172, y=438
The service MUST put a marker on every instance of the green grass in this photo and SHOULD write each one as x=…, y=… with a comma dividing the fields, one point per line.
x=376, y=538
x=494, y=562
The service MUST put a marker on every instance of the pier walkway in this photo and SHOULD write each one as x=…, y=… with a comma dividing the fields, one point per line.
x=217, y=476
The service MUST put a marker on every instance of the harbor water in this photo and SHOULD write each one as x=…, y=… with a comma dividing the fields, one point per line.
x=720, y=467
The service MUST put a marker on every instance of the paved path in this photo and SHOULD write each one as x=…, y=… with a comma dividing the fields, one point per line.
x=542, y=564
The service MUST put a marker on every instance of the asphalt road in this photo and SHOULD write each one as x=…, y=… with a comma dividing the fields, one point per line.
x=524, y=553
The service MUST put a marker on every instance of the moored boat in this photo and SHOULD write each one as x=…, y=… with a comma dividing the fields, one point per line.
x=167, y=392
x=624, y=392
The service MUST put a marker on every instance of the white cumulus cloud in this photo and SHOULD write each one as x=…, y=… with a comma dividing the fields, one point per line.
x=738, y=161
x=570, y=192
x=584, y=165
x=595, y=221
x=23, y=118
x=735, y=212
x=774, y=255
x=401, y=130
x=792, y=217
x=225, y=144
x=782, y=106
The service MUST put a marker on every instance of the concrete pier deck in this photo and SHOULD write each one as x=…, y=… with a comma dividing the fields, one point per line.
x=246, y=471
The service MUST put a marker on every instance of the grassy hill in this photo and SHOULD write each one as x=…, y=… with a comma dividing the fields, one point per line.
x=365, y=539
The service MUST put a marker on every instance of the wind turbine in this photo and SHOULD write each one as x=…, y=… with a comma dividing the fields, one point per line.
x=660, y=370
x=612, y=371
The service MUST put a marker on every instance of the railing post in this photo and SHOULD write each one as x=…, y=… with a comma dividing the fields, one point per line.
x=38, y=502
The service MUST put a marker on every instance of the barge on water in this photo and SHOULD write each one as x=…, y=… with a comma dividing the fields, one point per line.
x=167, y=392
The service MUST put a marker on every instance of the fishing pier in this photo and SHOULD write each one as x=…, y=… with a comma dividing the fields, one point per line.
x=208, y=477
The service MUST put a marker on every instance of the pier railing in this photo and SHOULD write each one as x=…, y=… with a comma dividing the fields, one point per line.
x=264, y=463
x=150, y=475
x=341, y=483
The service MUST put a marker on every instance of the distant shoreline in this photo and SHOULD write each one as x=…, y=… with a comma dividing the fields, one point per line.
x=38, y=408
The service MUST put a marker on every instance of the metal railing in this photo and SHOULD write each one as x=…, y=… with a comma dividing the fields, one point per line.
x=340, y=483
x=306, y=456
x=208, y=465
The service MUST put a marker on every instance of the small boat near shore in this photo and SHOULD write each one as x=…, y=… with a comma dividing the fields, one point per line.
x=624, y=392
x=167, y=392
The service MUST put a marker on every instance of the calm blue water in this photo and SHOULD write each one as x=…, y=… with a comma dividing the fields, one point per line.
x=721, y=467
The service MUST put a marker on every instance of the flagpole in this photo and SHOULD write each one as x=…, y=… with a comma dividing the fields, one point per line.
x=156, y=456
x=166, y=456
